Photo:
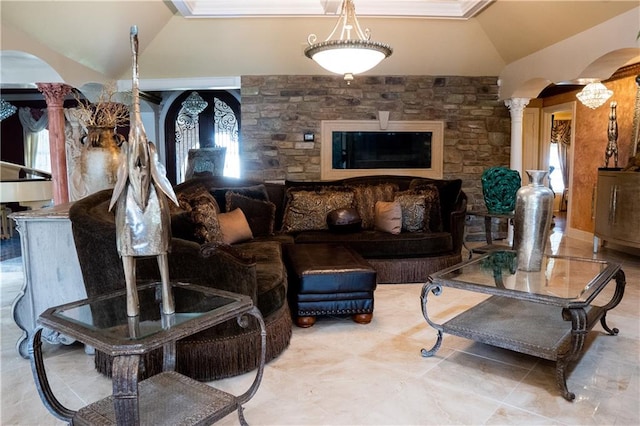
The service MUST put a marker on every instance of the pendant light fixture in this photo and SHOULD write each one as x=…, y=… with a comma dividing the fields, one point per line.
x=352, y=52
x=594, y=95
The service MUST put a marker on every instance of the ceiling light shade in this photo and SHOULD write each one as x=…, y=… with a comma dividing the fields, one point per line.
x=346, y=55
x=594, y=95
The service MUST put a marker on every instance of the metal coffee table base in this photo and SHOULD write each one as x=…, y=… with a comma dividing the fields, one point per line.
x=526, y=326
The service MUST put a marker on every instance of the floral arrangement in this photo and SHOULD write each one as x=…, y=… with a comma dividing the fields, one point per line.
x=102, y=118
x=105, y=112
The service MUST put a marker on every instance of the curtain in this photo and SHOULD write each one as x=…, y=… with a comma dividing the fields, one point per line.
x=30, y=129
x=561, y=134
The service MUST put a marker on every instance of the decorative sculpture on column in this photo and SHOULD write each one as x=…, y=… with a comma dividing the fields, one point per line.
x=612, y=133
x=634, y=160
x=143, y=223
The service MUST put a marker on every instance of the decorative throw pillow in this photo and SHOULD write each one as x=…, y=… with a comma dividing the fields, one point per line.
x=307, y=211
x=186, y=196
x=201, y=209
x=413, y=211
x=449, y=191
x=261, y=215
x=366, y=197
x=257, y=192
x=433, y=209
x=203, y=212
x=388, y=217
x=344, y=220
x=234, y=227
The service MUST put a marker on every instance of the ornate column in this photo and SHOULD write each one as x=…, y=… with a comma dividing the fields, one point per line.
x=516, y=107
x=54, y=94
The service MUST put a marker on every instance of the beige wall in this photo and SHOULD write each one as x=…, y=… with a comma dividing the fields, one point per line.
x=591, y=139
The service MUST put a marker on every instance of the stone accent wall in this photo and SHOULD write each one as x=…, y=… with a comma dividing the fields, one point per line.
x=278, y=110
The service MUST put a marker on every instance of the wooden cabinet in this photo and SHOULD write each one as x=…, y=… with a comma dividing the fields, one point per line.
x=52, y=274
x=618, y=208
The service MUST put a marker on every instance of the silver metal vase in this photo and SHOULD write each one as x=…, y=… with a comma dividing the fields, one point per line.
x=532, y=221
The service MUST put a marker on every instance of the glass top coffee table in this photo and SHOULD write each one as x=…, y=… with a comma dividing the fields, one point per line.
x=169, y=397
x=546, y=314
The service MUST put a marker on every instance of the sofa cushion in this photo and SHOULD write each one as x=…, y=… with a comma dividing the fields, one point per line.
x=366, y=196
x=432, y=208
x=234, y=227
x=413, y=211
x=202, y=210
x=260, y=214
x=377, y=244
x=270, y=273
x=307, y=210
x=344, y=220
x=448, y=191
x=388, y=217
x=257, y=192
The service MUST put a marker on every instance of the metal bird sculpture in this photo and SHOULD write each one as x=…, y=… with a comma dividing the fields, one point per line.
x=143, y=222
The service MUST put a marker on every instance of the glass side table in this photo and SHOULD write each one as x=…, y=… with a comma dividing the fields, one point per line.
x=169, y=397
x=546, y=314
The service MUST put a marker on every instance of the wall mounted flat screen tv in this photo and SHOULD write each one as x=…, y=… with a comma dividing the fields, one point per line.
x=381, y=150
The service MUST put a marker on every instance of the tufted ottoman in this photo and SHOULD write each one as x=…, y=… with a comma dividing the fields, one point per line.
x=327, y=279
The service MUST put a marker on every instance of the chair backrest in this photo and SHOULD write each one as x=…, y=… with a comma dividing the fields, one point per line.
x=499, y=187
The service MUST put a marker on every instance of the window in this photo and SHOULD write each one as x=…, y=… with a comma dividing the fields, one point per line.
x=43, y=155
x=555, y=177
x=202, y=119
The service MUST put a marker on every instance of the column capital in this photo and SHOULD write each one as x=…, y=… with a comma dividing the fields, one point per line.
x=516, y=105
x=54, y=93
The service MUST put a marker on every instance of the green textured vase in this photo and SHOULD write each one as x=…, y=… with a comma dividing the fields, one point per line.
x=499, y=187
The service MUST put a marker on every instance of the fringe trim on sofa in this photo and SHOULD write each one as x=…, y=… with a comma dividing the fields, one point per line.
x=414, y=270
x=214, y=359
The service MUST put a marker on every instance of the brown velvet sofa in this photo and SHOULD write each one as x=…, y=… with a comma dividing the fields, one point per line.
x=255, y=267
x=397, y=258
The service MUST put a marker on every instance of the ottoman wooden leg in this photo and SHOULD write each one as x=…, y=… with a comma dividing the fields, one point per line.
x=305, y=322
x=362, y=318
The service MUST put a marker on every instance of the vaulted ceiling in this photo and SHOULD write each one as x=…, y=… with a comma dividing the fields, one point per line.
x=87, y=40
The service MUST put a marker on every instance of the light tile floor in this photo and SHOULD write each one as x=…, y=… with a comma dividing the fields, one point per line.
x=342, y=373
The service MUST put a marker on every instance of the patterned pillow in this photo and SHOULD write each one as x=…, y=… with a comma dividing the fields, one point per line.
x=433, y=209
x=261, y=215
x=366, y=197
x=307, y=210
x=388, y=217
x=205, y=217
x=202, y=210
x=413, y=211
x=448, y=192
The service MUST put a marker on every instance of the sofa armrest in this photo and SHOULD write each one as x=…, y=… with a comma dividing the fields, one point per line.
x=215, y=266
x=457, y=222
